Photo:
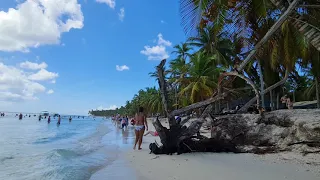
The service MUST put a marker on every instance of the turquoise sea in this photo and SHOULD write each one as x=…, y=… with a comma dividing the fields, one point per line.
x=32, y=149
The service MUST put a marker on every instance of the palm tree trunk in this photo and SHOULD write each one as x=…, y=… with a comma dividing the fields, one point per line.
x=246, y=106
x=164, y=93
x=247, y=80
x=261, y=85
x=271, y=100
x=176, y=97
x=198, y=105
x=278, y=97
x=269, y=34
x=317, y=92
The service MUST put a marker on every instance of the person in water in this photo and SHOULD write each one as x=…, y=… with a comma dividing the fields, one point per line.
x=40, y=117
x=70, y=119
x=20, y=116
x=139, y=128
x=123, y=123
x=49, y=119
x=59, y=120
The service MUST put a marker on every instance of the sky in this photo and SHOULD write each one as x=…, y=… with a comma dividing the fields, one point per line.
x=71, y=56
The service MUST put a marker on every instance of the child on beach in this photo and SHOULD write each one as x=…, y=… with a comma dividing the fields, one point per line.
x=132, y=122
x=153, y=133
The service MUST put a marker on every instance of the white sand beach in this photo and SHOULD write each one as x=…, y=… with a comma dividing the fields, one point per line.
x=221, y=166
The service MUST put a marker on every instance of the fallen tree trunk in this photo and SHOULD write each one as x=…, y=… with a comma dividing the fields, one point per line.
x=171, y=138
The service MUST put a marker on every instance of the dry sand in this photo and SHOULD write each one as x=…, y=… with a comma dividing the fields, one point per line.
x=221, y=166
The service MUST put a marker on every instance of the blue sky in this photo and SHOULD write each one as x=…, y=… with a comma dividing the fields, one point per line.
x=62, y=57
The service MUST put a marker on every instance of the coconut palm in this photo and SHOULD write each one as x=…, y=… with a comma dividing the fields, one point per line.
x=211, y=44
x=202, y=77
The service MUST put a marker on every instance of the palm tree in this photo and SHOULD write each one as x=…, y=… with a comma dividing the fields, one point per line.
x=246, y=17
x=202, y=77
x=213, y=44
x=182, y=50
x=312, y=67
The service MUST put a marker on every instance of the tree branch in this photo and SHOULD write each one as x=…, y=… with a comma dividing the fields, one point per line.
x=270, y=88
x=160, y=129
x=198, y=105
x=247, y=80
x=185, y=121
x=309, y=6
x=196, y=124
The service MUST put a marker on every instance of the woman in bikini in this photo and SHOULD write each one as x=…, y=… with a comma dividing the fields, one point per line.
x=139, y=127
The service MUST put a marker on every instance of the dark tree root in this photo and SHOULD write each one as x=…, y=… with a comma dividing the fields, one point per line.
x=308, y=143
x=192, y=145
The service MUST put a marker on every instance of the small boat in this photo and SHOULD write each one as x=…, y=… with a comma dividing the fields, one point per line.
x=44, y=113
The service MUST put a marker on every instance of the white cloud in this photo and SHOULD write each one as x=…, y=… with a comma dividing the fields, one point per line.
x=122, y=68
x=110, y=3
x=16, y=86
x=43, y=75
x=38, y=22
x=159, y=51
x=121, y=14
x=50, y=91
x=161, y=41
x=53, y=81
x=112, y=107
x=33, y=66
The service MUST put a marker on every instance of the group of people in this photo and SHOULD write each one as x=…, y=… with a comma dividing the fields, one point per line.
x=40, y=117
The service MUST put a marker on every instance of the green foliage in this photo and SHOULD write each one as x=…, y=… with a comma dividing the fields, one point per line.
x=221, y=34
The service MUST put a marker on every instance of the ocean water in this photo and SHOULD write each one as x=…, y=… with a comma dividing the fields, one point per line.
x=32, y=149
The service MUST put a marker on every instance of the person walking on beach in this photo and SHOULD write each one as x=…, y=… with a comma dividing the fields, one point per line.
x=59, y=120
x=123, y=123
x=127, y=120
x=139, y=128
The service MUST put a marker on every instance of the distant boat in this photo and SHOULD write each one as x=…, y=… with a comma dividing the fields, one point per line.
x=44, y=113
